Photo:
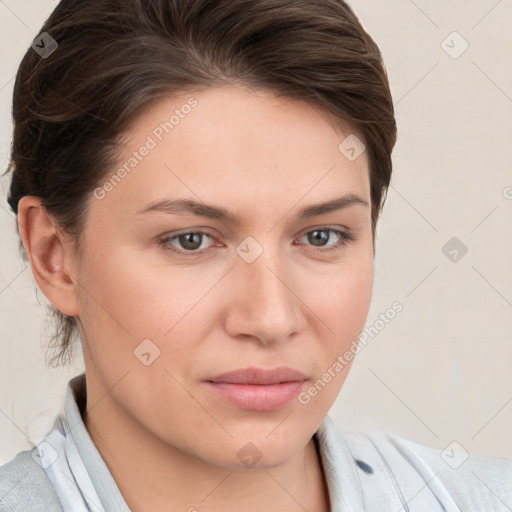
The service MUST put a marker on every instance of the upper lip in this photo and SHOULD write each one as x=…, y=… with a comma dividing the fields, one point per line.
x=259, y=376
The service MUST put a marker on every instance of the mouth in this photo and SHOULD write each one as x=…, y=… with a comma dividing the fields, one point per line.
x=258, y=389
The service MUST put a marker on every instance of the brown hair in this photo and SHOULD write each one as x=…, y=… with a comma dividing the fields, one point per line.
x=71, y=107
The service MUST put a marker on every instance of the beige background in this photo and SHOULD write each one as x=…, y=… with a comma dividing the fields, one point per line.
x=441, y=369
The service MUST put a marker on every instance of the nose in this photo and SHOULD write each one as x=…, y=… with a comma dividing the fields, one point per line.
x=265, y=304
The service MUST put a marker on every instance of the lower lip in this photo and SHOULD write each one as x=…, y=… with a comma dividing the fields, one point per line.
x=256, y=397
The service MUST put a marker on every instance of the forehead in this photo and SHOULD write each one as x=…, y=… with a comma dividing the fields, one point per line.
x=238, y=147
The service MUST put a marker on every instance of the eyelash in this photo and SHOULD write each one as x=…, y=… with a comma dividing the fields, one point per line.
x=345, y=238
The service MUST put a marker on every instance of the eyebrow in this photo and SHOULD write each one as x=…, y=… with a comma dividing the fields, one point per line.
x=178, y=206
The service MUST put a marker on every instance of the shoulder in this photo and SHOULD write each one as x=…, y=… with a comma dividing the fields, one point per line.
x=25, y=487
x=483, y=481
x=469, y=481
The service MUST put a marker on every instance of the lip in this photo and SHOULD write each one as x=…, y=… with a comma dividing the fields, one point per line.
x=258, y=389
x=259, y=376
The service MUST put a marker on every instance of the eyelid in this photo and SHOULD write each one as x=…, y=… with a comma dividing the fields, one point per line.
x=326, y=227
x=305, y=231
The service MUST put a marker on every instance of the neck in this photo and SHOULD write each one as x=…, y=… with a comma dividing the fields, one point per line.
x=153, y=475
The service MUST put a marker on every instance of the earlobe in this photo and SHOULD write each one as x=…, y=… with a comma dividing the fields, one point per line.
x=49, y=260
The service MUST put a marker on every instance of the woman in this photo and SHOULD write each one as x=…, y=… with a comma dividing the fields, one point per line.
x=197, y=185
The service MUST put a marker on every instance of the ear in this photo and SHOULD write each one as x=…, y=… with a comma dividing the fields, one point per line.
x=51, y=259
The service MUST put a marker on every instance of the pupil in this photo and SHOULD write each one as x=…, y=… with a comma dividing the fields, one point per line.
x=191, y=240
x=319, y=236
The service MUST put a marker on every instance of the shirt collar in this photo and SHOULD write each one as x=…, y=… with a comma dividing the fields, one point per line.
x=343, y=483
x=101, y=478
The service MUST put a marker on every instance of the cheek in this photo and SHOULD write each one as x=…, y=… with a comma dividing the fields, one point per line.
x=123, y=290
x=118, y=303
x=342, y=296
x=354, y=296
x=340, y=303
x=128, y=300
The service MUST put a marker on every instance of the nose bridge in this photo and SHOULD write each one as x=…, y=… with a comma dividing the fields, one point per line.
x=263, y=273
x=265, y=287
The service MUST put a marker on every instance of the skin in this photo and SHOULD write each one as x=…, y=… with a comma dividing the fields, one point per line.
x=169, y=443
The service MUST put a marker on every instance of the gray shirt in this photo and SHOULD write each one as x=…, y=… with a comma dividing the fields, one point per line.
x=371, y=472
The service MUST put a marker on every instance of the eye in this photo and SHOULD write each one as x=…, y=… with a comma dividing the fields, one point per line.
x=191, y=241
x=321, y=235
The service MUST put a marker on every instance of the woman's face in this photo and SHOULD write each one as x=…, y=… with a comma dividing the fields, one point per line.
x=262, y=286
